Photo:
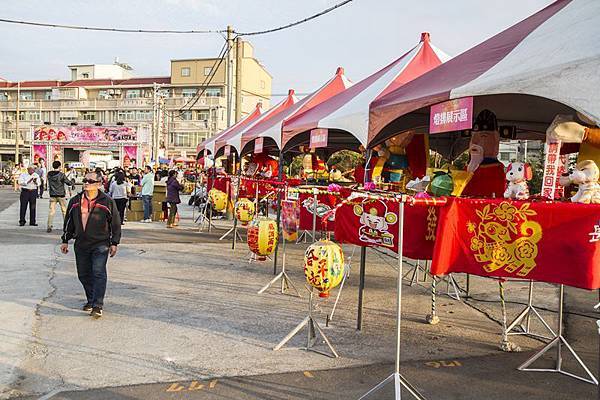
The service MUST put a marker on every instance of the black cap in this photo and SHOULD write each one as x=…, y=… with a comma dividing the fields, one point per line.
x=485, y=121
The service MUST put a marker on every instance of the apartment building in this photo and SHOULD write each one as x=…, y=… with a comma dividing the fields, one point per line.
x=181, y=109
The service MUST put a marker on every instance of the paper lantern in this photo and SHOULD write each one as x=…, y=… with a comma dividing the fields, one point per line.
x=244, y=210
x=262, y=237
x=218, y=199
x=324, y=266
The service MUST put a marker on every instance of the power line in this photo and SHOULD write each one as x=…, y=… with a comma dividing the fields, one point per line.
x=302, y=21
x=174, y=31
x=103, y=29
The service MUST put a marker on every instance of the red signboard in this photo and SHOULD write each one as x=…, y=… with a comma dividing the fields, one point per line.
x=258, y=145
x=555, y=242
x=372, y=222
x=452, y=115
x=318, y=138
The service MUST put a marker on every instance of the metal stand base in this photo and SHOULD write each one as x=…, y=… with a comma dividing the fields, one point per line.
x=452, y=289
x=254, y=258
x=399, y=382
x=304, y=235
x=231, y=230
x=523, y=320
x=286, y=284
x=415, y=269
x=559, y=341
x=313, y=328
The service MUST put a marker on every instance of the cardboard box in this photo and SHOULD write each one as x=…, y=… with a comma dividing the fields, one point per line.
x=160, y=187
x=134, y=216
x=136, y=205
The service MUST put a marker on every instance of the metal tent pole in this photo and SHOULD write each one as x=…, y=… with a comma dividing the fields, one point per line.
x=280, y=169
x=361, y=287
x=396, y=377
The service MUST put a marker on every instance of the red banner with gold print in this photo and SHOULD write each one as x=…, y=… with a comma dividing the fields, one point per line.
x=374, y=222
x=542, y=241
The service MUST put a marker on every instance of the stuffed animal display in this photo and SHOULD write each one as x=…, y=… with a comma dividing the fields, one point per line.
x=517, y=175
x=586, y=176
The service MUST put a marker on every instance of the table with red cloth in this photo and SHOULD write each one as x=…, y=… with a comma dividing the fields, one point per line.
x=374, y=222
x=554, y=242
x=219, y=182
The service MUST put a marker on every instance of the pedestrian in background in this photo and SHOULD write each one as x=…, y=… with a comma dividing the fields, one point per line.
x=56, y=189
x=41, y=171
x=72, y=177
x=29, y=182
x=173, y=189
x=119, y=191
x=16, y=172
x=93, y=221
x=147, y=192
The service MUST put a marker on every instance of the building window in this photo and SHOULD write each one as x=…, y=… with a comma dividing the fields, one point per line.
x=133, y=93
x=85, y=75
x=202, y=116
x=8, y=134
x=48, y=95
x=144, y=115
x=185, y=71
x=88, y=116
x=188, y=92
x=183, y=139
x=213, y=92
x=26, y=96
x=103, y=94
x=207, y=71
x=3, y=96
x=186, y=115
x=126, y=115
x=164, y=92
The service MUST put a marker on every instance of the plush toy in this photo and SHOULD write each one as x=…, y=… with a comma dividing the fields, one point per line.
x=517, y=175
x=586, y=175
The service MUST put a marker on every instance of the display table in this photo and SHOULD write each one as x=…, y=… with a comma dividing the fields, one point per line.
x=538, y=240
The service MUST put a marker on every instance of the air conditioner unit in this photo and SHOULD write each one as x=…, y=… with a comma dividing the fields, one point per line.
x=118, y=91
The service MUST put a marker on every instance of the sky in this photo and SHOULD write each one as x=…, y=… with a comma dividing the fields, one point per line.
x=362, y=36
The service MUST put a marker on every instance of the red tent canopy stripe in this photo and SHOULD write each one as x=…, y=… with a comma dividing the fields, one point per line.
x=437, y=85
x=349, y=109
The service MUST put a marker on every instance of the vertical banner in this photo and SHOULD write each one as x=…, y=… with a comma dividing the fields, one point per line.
x=40, y=151
x=227, y=150
x=318, y=138
x=452, y=115
x=552, y=168
x=258, y=145
x=290, y=220
x=130, y=154
x=57, y=154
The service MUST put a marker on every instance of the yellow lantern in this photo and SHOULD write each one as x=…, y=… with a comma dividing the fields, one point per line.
x=244, y=210
x=324, y=266
x=218, y=199
x=262, y=237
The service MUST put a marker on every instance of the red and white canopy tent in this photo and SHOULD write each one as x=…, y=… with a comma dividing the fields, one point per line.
x=543, y=66
x=237, y=141
x=349, y=110
x=271, y=129
x=218, y=140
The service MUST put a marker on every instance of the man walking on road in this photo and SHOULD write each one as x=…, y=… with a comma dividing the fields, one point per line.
x=56, y=188
x=147, y=191
x=93, y=221
x=29, y=182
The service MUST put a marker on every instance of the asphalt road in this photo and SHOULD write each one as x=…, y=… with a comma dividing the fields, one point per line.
x=490, y=377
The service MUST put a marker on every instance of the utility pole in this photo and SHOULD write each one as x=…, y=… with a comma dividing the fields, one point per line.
x=238, y=78
x=155, y=122
x=17, y=136
x=229, y=75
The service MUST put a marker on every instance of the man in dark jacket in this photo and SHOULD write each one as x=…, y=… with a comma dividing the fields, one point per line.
x=93, y=221
x=56, y=187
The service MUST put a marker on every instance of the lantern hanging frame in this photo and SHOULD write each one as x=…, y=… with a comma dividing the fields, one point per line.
x=286, y=282
x=313, y=329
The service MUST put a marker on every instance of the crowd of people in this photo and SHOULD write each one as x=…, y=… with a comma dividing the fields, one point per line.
x=119, y=184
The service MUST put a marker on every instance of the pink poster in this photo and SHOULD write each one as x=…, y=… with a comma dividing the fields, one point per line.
x=40, y=151
x=129, y=156
x=258, y=145
x=57, y=153
x=318, y=138
x=85, y=133
x=452, y=115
